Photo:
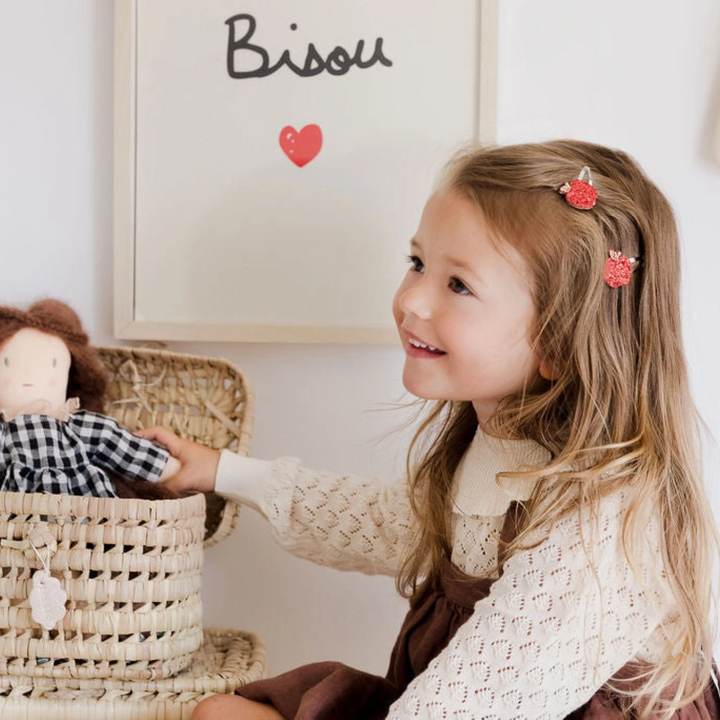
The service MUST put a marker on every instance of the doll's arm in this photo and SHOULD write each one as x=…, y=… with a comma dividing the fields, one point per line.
x=114, y=448
x=172, y=467
x=196, y=464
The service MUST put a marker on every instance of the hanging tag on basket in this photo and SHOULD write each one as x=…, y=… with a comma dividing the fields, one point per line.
x=47, y=598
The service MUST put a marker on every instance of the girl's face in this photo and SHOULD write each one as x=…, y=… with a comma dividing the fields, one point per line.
x=33, y=366
x=464, y=311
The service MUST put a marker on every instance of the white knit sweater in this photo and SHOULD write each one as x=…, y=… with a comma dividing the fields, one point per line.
x=555, y=627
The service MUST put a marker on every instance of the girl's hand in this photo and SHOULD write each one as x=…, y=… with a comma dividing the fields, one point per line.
x=198, y=464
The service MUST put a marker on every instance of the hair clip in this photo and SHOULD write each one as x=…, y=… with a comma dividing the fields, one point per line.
x=619, y=268
x=580, y=193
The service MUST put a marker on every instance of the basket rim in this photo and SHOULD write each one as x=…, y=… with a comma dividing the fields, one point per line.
x=62, y=504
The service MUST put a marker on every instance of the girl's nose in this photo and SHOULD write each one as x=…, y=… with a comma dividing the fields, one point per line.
x=416, y=299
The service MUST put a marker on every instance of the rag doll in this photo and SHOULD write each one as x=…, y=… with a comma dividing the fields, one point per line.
x=54, y=436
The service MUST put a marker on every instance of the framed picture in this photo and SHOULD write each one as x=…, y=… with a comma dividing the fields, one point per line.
x=272, y=159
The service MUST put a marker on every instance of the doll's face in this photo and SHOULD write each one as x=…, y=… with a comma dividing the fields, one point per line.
x=33, y=366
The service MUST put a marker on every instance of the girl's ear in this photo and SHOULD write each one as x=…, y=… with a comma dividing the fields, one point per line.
x=548, y=371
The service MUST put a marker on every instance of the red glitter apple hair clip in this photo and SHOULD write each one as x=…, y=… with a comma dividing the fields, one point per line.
x=580, y=193
x=619, y=268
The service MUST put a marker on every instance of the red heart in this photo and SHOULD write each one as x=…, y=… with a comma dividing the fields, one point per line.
x=301, y=147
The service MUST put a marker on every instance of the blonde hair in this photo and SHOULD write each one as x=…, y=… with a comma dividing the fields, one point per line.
x=620, y=409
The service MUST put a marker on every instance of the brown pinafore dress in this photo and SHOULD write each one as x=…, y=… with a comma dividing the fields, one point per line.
x=333, y=691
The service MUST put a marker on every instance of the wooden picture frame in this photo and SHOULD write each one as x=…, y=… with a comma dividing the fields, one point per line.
x=178, y=275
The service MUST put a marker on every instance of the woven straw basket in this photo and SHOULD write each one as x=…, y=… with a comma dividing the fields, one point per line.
x=132, y=569
x=203, y=399
x=227, y=660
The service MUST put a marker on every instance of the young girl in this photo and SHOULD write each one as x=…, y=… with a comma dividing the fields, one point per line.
x=553, y=534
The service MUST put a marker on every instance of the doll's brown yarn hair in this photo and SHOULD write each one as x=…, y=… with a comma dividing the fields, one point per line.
x=87, y=379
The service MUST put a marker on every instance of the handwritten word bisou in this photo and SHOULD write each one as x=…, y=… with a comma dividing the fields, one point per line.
x=338, y=61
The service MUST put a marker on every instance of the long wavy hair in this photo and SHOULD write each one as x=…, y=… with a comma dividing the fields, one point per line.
x=620, y=410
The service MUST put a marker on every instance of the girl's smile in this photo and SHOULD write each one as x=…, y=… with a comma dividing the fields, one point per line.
x=465, y=306
x=419, y=349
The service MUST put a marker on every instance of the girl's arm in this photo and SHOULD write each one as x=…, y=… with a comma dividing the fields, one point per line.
x=552, y=631
x=342, y=521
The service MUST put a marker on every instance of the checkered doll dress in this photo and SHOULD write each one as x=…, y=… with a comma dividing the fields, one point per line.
x=70, y=454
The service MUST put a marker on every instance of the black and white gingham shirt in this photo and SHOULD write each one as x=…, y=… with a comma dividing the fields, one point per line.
x=43, y=454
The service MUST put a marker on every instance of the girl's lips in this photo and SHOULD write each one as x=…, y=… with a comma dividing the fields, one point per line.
x=419, y=349
x=417, y=352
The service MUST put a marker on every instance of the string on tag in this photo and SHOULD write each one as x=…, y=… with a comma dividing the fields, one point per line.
x=45, y=563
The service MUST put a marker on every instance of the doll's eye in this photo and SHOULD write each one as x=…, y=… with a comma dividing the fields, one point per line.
x=54, y=362
x=7, y=362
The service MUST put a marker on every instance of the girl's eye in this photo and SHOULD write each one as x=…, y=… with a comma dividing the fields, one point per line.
x=7, y=362
x=416, y=264
x=54, y=362
x=458, y=286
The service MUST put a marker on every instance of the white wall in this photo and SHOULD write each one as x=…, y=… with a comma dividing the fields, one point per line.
x=643, y=76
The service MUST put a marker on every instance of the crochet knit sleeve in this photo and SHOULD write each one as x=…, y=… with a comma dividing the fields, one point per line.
x=551, y=632
x=343, y=521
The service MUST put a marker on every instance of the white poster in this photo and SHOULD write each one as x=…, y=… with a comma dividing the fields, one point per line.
x=273, y=159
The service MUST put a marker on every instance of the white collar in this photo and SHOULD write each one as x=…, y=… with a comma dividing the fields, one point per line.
x=476, y=488
x=42, y=407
